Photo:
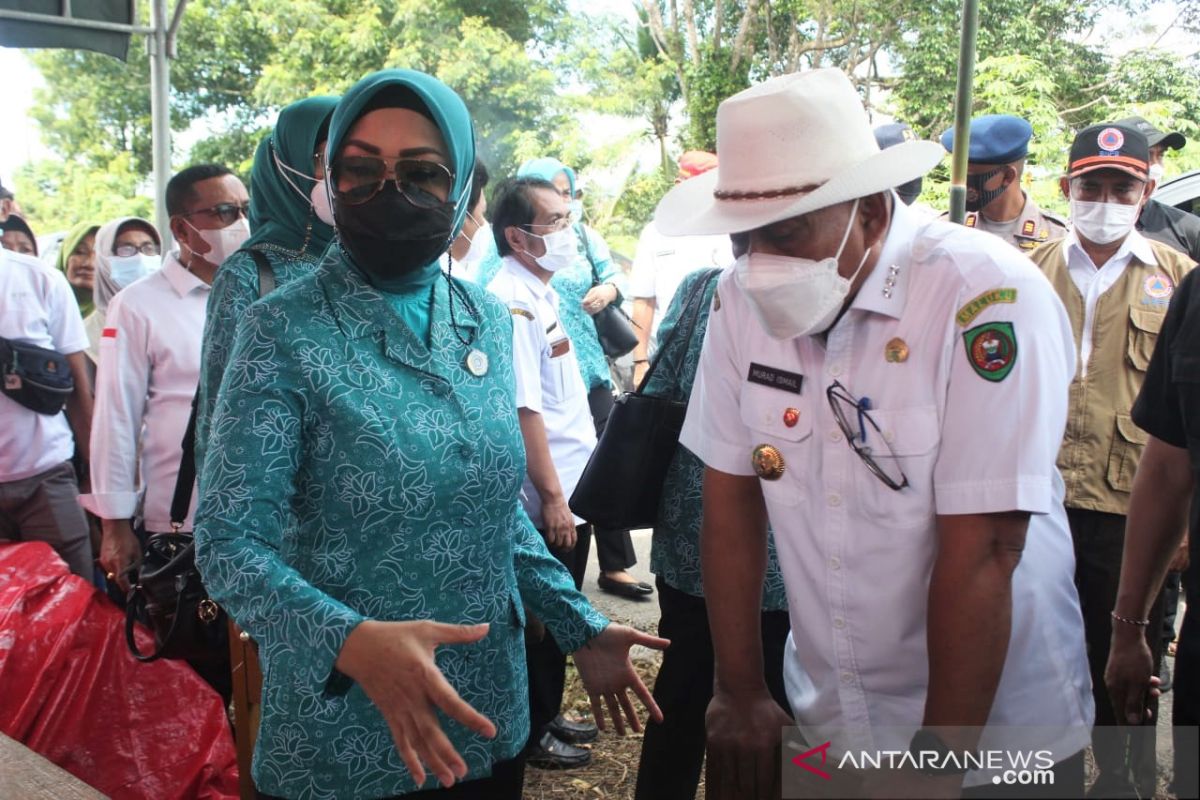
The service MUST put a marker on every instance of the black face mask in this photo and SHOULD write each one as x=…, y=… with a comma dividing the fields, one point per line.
x=388, y=237
x=982, y=197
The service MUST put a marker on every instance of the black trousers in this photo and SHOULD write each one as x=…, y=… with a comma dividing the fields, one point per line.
x=547, y=664
x=1186, y=705
x=673, y=751
x=506, y=782
x=614, y=548
x=1124, y=756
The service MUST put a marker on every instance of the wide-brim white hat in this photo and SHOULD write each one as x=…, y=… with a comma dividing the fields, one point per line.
x=790, y=145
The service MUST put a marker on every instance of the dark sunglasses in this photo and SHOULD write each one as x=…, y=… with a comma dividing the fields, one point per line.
x=227, y=213
x=854, y=418
x=356, y=179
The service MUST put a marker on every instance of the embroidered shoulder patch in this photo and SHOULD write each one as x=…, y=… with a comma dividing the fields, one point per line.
x=992, y=349
x=520, y=312
x=974, y=308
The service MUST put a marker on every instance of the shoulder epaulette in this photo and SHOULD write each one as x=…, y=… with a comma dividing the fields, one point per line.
x=520, y=312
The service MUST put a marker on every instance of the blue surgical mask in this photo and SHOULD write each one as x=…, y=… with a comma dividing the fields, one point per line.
x=127, y=269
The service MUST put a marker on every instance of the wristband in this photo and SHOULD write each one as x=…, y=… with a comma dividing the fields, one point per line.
x=1140, y=623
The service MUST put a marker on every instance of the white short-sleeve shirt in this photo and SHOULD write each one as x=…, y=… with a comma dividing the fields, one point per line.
x=37, y=307
x=966, y=356
x=145, y=380
x=547, y=377
x=662, y=262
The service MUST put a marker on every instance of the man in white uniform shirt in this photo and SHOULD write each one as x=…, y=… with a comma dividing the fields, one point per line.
x=149, y=367
x=533, y=233
x=38, y=485
x=661, y=263
x=892, y=396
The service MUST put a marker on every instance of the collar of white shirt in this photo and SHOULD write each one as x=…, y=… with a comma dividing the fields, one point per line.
x=1134, y=245
x=180, y=278
x=534, y=283
x=884, y=290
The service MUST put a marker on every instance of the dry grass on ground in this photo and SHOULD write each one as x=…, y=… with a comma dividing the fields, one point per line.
x=612, y=774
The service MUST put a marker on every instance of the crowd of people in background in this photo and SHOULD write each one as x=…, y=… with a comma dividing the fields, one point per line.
x=907, y=493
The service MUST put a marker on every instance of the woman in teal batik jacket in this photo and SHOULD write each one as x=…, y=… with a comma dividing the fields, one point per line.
x=360, y=514
x=287, y=228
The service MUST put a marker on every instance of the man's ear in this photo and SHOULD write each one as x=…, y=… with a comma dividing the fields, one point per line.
x=512, y=235
x=876, y=212
x=1064, y=184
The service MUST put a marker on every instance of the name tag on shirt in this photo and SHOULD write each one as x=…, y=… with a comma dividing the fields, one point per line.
x=775, y=378
x=560, y=348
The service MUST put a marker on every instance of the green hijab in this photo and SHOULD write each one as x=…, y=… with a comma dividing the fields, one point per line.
x=449, y=114
x=74, y=236
x=280, y=211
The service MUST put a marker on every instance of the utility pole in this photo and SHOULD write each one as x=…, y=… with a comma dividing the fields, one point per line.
x=962, y=112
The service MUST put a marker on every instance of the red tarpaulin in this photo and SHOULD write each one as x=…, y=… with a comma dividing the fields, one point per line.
x=70, y=690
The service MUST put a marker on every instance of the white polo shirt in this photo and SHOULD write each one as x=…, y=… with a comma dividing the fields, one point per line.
x=548, y=378
x=856, y=555
x=661, y=262
x=36, y=307
x=147, y=374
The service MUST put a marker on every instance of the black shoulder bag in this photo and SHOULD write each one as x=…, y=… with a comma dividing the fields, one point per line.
x=169, y=595
x=622, y=483
x=37, y=378
x=614, y=328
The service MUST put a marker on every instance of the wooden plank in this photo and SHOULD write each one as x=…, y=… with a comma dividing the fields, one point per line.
x=25, y=774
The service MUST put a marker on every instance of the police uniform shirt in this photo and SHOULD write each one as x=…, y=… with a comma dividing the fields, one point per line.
x=1030, y=228
x=36, y=307
x=145, y=381
x=965, y=354
x=661, y=263
x=548, y=378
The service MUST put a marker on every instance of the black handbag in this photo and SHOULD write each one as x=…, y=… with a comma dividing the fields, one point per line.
x=614, y=328
x=622, y=483
x=37, y=378
x=169, y=596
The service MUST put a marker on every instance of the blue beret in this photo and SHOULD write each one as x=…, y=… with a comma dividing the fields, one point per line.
x=893, y=134
x=995, y=139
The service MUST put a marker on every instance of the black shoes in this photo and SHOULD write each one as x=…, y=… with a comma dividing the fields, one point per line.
x=572, y=732
x=632, y=591
x=552, y=753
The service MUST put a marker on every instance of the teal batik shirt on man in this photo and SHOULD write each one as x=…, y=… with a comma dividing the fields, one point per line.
x=675, y=544
x=355, y=472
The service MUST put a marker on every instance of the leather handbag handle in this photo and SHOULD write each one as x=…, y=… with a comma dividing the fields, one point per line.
x=131, y=611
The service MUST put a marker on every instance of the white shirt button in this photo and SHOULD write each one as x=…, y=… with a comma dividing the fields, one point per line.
x=835, y=500
x=835, y=435
x=835, y=563
x=847, y=677
x=836, y=370
x=839, y=623
x=889, y=436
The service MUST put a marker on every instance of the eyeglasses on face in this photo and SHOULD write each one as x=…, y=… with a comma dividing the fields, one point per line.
x=542, y=229
x=226, y=213
x=127, y=250
x=854, y=419
x=356, y=179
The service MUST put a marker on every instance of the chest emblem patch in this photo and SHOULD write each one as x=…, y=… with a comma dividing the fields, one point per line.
x=767, y=462
x=992, y=349
x=1158, y=287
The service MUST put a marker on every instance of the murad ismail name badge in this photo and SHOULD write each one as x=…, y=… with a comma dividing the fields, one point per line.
x=896, y=351
x=768, y=462
x=477, y=363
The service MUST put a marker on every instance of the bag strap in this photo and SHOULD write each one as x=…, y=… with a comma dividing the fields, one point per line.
x=691, y=308
x=266, y=275
x=133, y=606
x=587, y=251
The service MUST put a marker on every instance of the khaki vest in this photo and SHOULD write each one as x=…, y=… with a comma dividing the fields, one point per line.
x=1102, y=446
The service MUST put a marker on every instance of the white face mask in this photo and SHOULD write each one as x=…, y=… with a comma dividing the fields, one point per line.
x=1156, y=172
x=127, y=269
x=223, y=242
x=1103, y=223
x=796, y=296
x=479, y=242
x=320, y=203
x=562, y=248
